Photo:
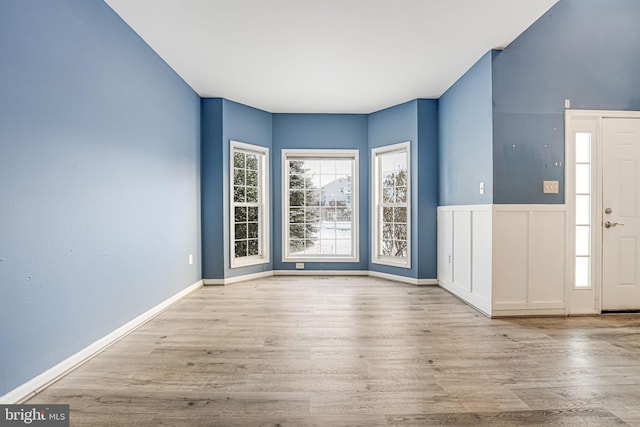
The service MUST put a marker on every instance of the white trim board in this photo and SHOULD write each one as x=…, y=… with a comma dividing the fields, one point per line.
x=392, y=277
x=236, y=279
x=403, y=279
x=51, y=375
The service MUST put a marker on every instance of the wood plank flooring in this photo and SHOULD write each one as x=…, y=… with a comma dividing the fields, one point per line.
x=356, y=351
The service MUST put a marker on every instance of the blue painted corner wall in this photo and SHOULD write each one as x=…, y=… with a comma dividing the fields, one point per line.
x=465, y=124
x=253, y=126
x=320, y=131
x=587, y=51
x=99, y=181
x=416, y=122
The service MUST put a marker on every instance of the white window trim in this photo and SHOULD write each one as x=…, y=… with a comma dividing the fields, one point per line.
x=264, y=231
x=355, y=202
x=375, y=205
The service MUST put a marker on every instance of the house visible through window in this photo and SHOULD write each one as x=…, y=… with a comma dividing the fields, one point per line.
x=320, y=209
x=391, y=205
x=249, y=202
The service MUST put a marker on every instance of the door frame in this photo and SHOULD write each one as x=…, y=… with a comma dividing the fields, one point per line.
x=586, y=300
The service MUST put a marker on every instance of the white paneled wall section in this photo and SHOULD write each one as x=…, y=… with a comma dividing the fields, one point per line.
x=506, y=260
x=464, y=253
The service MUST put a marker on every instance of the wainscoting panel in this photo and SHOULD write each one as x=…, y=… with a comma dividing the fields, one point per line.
x=510, y=257
x=505, y=260
x=529, y=260
x=464, y=253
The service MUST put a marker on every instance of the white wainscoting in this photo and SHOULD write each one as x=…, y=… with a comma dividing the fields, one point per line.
x=464, y=253
x=529, y=260
x=505, y=260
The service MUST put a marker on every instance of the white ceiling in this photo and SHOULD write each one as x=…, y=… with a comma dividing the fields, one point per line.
x=325, y=56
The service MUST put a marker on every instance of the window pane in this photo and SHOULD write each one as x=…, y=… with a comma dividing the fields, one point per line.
x=583, y=272
x=252, y=162
x=252, y=214
x=320, y=206
x=296, y=198
x=400, y=232
x=238, y=194
x=296, y=231
x=241, y=231
x=312, y=198
x=249, y=177
x=241, y=249
x=583, y=241
x=400, y=214
x=252, y=195
x=296, y=215
x=252, y=247
x=312, y=215
x=238, y=160
x=583, y=147
x=583, y=210
x=387, y=195
x=238, y=177
x=343, y=167
x=583, y=179
x=387, y=231
x=252, y=178
x=296, y=246
x=296, y=181
x=387, y=214
x=240, y=214
x=252, y=230
x=401, y=194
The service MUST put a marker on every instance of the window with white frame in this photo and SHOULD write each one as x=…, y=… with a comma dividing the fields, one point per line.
x=583, y=200
x=320, y=205
x=391, y=205
x=249, y=204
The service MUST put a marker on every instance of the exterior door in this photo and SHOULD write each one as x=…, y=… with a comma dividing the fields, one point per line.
x=621, y=214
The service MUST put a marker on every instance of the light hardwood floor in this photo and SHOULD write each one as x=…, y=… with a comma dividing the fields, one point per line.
x=357, y=351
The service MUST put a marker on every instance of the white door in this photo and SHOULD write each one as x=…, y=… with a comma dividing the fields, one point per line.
x=621, y=214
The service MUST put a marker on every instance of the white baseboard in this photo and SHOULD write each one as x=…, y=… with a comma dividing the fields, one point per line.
x=243, y=278
x=403, y=279
x=464, y=295
x=553, y=312
x=393, y=277
x=320, y=273
x=48, y=377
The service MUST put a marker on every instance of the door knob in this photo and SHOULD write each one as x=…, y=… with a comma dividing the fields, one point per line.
x=609, y=224
x=608, y=211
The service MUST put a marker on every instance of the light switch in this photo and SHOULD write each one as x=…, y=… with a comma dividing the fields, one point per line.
x=551, y=187
x=481, y=187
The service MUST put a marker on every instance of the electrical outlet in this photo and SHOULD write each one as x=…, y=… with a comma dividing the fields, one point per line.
x=300, y=265
x=190, y=259
x=550, y=187
x=567, y=103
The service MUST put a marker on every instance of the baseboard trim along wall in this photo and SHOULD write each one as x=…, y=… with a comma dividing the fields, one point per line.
x=393, y=277
x=48, y=377
x=231, y=280
x=403, y=279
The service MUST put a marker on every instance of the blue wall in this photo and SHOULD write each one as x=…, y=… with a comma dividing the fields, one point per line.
x=253, y=126
x=224, y=121
x=212, y=189
x=320, y=131
x=426, y=166
x=99, y=181
x=391, y=126
x=584, y=50
x=466, y=137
